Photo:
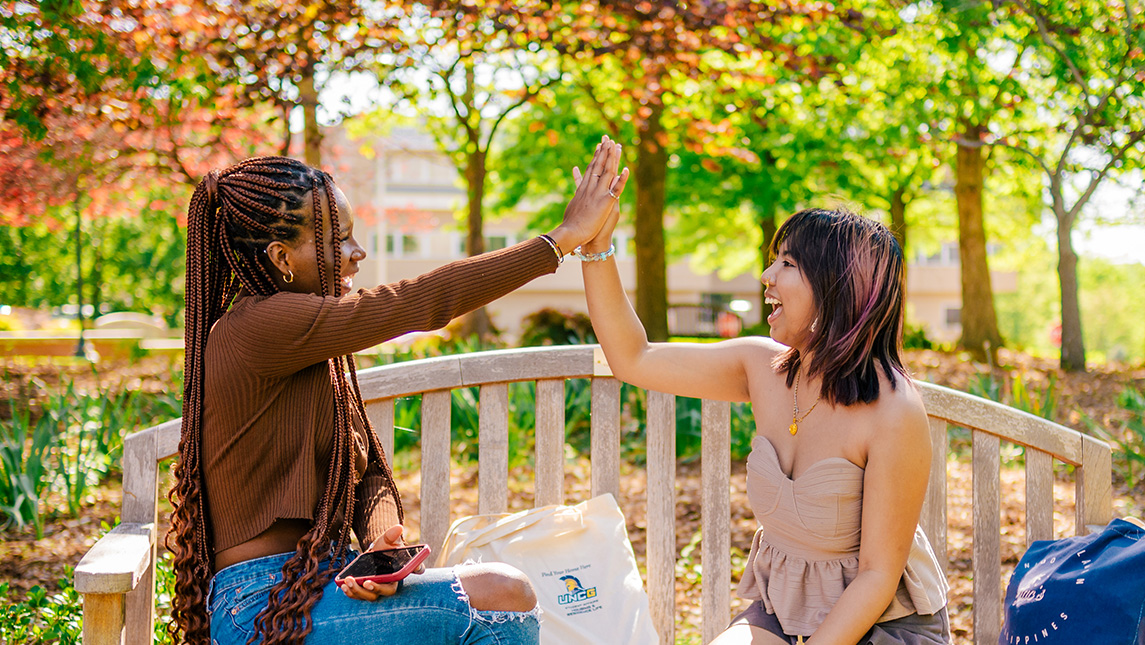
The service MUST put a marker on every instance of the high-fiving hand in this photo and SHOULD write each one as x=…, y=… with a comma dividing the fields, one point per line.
x=595, y=201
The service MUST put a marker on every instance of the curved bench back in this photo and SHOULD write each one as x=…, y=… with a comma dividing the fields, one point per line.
x=434, y=379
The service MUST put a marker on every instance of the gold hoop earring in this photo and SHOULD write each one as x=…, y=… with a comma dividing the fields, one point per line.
x=289, y=277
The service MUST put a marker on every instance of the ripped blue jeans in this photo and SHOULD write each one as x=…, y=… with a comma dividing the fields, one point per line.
x=429, y=609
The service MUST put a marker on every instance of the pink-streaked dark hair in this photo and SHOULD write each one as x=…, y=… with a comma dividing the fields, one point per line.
x=855, y=268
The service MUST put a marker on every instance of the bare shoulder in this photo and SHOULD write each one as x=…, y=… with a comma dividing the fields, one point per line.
x=901, y=415
x=757, y=353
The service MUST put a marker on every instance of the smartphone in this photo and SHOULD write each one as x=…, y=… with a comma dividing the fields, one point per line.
x=385, y=565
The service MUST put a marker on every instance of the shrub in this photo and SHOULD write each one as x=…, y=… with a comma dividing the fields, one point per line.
x=552, y=327
x=42, y=618
x=1128, y=440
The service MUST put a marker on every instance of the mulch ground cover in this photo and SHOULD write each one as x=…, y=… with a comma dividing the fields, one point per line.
x=26, y=561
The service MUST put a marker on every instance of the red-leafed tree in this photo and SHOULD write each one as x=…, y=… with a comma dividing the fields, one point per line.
x=280, y=54
x=105, y=108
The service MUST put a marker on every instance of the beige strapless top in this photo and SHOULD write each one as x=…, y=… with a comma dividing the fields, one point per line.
x=806, y=550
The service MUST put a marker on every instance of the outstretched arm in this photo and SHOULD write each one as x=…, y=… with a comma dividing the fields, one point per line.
x=714, y=371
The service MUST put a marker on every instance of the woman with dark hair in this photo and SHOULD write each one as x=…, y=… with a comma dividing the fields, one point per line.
x=840, y=461
x=278, y=462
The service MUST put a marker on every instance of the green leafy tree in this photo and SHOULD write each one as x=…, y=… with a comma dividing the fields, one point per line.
x=464, y=78
x=1083, y=62
x=648, y=74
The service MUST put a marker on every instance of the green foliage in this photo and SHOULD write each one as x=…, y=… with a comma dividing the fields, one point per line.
x=1128, y=440
x=1017, y=393
x=688, y=431
x=914, y=337
x=72, y=442
x=552, y=327
x=1111, y=321
x=57, y=618
x=24, y=447
x=130, y=262
x=90, y=431
x=40, y=617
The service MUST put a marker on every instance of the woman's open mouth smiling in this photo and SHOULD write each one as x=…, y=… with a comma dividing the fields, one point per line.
x=775, y=303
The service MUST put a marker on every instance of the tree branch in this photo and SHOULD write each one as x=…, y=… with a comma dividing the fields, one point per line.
x=981, y=144
x=529, y=94
x=1044, y=33
x=1134, y=137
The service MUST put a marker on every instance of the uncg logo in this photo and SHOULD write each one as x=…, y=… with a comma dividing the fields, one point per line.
x=576, y=591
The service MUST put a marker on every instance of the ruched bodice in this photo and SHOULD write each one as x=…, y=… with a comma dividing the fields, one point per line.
x=807, y=548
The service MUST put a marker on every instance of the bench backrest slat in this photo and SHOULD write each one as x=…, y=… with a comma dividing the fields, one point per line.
x=987, y=540
x=933, y=518
x=715, y=548
x=604, y=444
x=661, y=473
x=1039, y=495
x=550, y=442
x=1094, y=485
x=434, y=509
x=492, y=449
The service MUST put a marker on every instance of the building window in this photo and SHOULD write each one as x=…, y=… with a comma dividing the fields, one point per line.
x=953, y=316
x=492, y=243
x=402, y=245
x=496, y=242
x=713, y=304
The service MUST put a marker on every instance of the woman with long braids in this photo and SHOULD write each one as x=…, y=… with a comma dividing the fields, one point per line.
x=278, y=463
x=840, y=460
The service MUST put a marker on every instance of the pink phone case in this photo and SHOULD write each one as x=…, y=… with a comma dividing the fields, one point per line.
x=411, y=566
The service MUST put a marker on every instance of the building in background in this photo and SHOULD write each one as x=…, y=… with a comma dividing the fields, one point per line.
x=406, y=196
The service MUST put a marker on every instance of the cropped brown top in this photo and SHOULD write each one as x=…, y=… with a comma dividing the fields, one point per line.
x=268, y=411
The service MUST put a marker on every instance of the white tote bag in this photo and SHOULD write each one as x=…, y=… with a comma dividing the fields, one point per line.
x=580, y=562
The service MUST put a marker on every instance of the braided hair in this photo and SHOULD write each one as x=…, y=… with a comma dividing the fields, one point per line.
x=234, y=214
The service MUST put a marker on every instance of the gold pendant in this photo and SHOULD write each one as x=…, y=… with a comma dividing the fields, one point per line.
x=794, y=428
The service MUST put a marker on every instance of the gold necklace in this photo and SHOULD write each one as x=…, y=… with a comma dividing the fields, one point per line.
x=795, y=418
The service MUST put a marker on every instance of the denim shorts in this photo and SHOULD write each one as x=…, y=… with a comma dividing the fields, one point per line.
x=429, y=608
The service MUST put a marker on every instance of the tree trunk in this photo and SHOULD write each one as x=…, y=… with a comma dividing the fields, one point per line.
x=651, y=264
x=980, y=334
x=312, y=136
x=476, y=322
x=287, y=135
x=898, y=225
x=1073, y=345
x=80, y=349
x=95, y=276
x=767, y=228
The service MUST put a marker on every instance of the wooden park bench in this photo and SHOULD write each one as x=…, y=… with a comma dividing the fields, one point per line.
x=117, y=575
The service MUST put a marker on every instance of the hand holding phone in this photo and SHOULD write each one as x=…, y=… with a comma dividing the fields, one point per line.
x=383, y=565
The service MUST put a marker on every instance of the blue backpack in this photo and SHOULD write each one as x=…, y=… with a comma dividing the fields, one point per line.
x=1084, y=589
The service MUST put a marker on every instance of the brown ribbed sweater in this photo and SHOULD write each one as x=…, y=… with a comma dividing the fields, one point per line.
x=268, y=409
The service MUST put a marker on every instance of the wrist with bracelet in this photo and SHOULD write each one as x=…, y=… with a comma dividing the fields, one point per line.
x=556, y=248
x=594, y=257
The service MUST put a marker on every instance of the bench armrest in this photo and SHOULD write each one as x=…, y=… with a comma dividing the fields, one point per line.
x=117, y=562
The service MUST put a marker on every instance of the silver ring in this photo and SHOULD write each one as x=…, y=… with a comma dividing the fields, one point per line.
x=612, y=194
x=596, y=175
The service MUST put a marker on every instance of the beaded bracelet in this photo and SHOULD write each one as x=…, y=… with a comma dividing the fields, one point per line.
x=595, y=257
x=556, y=248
